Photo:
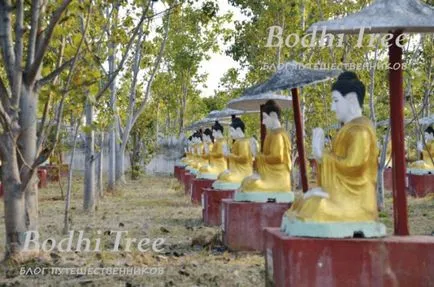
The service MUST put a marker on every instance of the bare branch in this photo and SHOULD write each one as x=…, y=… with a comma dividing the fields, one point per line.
x=33, y=32
x=154, y=71
x=60, y=109
x=42, y=48
x=50, y=77
x=124, y=58
x=6, y=40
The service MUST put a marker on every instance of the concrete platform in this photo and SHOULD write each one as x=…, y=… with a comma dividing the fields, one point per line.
x=387, y=177
x=197, y=188
x=43, y=178
x=182, y=173
x=243, y=223
x=420, y=185
x=211, y=205
x=390, y=261
x=188, y=177
x=177, y=172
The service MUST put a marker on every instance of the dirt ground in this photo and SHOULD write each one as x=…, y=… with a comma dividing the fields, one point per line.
x=153, y=207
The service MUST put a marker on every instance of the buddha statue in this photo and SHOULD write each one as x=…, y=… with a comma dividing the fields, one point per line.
x=272, y=181
x=203, y=151
x=427, y=151
x=188, y=154
x=217, y=161
x=345, y=201
x=240, y=158
x=197, y=148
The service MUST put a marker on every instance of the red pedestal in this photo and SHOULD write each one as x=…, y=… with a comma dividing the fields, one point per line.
x=198, y=184
x=387, y=177
x=182, y=173
x=211, y=205
x=420, y=185
x=177, y=172
x=188, y=180
x=42, y=175
x=243, y=222
x=53, y=172
x=391, y=261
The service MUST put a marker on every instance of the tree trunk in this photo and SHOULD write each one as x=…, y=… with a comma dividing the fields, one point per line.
x=183, y=105
x=381, y=166
x=14, y=199
x=112, y=140
x=120, y=160
x=66, y=219
x=89, y=165
x=99, y=173
x=27, y=148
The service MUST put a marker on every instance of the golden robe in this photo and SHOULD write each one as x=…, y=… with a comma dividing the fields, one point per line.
x=202, y=157
x=273, y=165
x=217, y=162
x=348, y=174
x=240, y=162
x=426, y=162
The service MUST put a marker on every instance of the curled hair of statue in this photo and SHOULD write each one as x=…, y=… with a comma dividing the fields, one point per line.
x=238, y=123
x=208, y=132
x=348, y=82
x=271, y=106
x=430, y=130
x=217, y=126
x=198, y=134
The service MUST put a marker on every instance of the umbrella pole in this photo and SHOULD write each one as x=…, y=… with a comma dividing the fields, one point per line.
x=299, y=138
x=396, y=95
x=263, y=129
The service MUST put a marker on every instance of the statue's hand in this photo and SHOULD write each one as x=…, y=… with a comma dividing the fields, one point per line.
x=419, y=146
x=315, y=192
x=255, y=176
x=253, y=146
x=318, y=143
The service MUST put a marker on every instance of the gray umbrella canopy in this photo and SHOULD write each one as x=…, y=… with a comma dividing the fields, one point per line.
x=251, y=102
x=383, y=16
x=224, y=114
x=427, y=120
x=204, y=123
x=294, y=75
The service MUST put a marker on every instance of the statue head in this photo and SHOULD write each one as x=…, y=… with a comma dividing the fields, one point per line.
x=429, y=134
x=207, y=137
x=348, y=94
x=217, y=130
x=237, y=128
x=197, y=137
x=271, y=115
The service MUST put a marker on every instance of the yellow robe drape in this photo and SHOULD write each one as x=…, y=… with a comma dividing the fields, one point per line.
x=217, y=162
x=348, y=174
x=240, y=162
x=273, y=165
x=426, y=162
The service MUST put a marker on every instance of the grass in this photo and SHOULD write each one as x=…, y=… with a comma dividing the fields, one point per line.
x=150, y=207
x=155, y=207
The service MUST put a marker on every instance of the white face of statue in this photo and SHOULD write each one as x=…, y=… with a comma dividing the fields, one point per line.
x=347, y=108
x=217, y=134
x=236, y=133
x=429, y=137
x=270, y=121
